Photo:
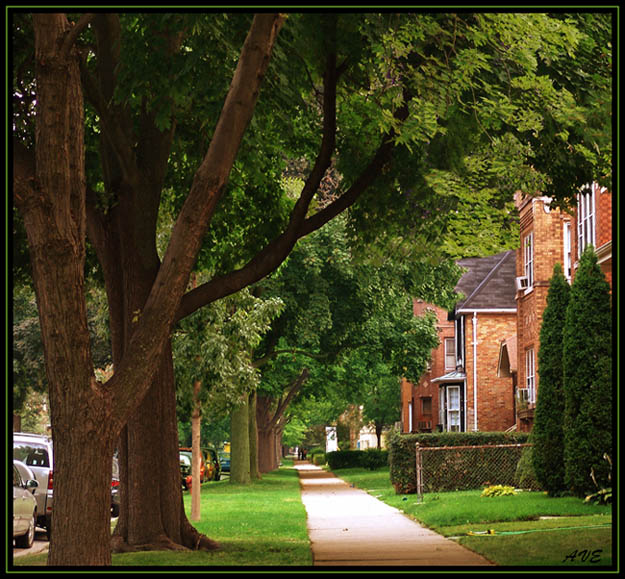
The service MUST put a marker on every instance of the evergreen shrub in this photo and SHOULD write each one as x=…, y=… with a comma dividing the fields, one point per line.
x=548, y=433
x=587, y=364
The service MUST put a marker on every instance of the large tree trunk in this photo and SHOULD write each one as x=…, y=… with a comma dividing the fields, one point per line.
x=152, y=514
x=267, y=460
x=270, y=421
x=253, y=433
x=53, y=209
x=196, y=453
x=240, y=444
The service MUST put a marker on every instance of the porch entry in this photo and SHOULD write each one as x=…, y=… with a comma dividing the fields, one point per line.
x=451, y=408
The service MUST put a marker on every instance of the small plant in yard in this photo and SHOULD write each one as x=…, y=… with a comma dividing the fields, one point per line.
x=604, y=495
x=497, y=491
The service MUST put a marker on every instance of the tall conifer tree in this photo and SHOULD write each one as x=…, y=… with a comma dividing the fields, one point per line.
x=547, y=433
x=587, y=349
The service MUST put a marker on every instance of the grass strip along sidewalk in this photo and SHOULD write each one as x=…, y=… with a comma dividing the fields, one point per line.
x=260, y=524
x=508, y=530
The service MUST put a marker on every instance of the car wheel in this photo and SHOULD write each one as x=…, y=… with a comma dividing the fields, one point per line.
x=114, y=511
x=26, y=541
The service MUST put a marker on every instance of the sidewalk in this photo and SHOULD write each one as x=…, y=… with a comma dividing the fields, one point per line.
x=348, y=527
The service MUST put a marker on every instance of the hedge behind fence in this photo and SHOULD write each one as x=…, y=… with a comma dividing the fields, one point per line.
x=402, y=454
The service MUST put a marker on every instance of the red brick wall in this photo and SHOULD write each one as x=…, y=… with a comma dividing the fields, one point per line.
x=603, y=206
x=495, y=409
x=425, y=388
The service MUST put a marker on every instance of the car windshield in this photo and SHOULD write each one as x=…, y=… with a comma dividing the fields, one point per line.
x=31, y=453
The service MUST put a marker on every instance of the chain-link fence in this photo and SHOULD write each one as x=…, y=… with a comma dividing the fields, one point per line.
x=451, y=468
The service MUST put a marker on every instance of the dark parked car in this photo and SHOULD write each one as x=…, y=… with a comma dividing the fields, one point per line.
x=224, y=460
x=24, y=506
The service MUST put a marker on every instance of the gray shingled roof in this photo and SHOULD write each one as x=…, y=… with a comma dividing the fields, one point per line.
x=488, y=283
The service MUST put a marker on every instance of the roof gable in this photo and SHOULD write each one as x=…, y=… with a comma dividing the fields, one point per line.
x=488, y=282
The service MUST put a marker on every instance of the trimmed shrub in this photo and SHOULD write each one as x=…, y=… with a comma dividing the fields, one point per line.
x=371, y=459
x=374, y=458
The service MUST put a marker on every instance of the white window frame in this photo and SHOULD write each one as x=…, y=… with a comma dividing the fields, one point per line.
x=568, y=256
x=528, y=258
x=453, y=412
x=530, y=375
x=450, y=364
x=586, y=219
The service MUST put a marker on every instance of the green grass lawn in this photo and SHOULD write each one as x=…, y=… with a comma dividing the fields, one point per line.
x=261, y=524
x=507, y=530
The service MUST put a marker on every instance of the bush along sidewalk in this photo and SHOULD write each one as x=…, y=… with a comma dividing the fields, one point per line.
x=371, y=459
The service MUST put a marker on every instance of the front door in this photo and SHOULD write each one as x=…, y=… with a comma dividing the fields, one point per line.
x=452, y=414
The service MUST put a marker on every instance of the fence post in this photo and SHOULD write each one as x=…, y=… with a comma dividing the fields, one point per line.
x=419, y=473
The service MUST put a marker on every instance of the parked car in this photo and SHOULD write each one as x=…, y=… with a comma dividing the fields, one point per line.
x=35, y=451
x=24, y=508
x=206, y=472
x=211, y=457
x=224, y=461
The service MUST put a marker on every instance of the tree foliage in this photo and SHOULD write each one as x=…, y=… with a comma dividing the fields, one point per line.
x=587, y=361
x=215, y=346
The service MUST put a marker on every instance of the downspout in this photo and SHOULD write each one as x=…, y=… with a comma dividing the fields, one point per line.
x=474, y=370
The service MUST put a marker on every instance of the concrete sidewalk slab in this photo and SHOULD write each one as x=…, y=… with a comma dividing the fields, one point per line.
x=348, y=527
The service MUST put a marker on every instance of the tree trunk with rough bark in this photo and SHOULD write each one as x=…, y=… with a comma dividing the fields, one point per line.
x=270, y=421
x=240, y=444
x=196, y=454
x=50, y=194
x=253, y=434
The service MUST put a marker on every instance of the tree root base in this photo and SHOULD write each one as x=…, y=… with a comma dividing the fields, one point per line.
x=163, y=543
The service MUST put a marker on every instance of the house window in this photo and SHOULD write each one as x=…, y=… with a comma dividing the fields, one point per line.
x=530, y=378
x=426, y=405
x=528, y=258
x=453, y=408
x=585, y=219
x=567, y=250
x=450, y=354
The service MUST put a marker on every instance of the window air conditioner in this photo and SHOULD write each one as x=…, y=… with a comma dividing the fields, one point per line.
x=522, y=283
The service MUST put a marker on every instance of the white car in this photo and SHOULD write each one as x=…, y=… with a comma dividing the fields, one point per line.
x=24, y=509
x=35, y=451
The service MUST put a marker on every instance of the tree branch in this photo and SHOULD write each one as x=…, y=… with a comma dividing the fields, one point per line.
x=74, y=32
x=158, y=315
x=294, y=388
x=277, y=251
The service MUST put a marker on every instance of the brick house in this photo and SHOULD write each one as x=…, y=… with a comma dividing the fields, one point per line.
x=462, y=389
x=420, y=403
x=549, y=236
